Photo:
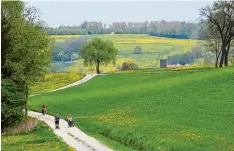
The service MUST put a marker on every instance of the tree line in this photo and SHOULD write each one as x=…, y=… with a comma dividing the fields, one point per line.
x=188, y=57
x=173, y=29
x=68, y=50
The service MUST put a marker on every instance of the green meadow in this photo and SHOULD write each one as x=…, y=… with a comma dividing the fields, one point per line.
x=152, y=109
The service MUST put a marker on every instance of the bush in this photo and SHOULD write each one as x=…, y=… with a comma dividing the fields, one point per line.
x=129, y=66
x=125, y=66
x=13, y=101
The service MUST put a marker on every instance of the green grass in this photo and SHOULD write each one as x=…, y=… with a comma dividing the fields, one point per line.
x=40, y=139
x=156, y=110
x=55, y=80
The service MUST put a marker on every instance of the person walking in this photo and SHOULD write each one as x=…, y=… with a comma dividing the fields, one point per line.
x=57, y=118
x=69, y=120
x=43, y=109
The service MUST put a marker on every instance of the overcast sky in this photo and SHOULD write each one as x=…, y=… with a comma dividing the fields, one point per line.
x=56, y=13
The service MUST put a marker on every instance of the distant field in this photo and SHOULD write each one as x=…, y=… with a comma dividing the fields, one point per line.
x=153, y=110
x=154, y=48
x=54, y=80
x=40, y=139
x=148, y=43
x=60, y=38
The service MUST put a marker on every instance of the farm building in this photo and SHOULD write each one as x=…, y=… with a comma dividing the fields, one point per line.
x=163, y=63
x=138, y=50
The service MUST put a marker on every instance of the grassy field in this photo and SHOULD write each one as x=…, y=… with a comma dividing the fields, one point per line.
x=153, y=110
x=78, y=66
x=61, y=38
x=127, y=42
x=154, y=48
x=40, y=139
x=55, y=80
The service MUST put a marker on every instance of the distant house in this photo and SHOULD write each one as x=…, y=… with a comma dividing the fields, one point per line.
x=137, y=50
x=112, y=33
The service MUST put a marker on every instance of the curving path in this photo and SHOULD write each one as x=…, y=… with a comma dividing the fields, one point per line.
x=86, y=78
x=72, y=136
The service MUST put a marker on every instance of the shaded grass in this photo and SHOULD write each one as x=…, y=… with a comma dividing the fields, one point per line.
x=40, y=139
x=163, y=110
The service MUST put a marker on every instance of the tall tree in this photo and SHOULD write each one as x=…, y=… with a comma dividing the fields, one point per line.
x=27, y=49
x=212, y=42
x=12, y=99
x=221, y=15
x=98, y=52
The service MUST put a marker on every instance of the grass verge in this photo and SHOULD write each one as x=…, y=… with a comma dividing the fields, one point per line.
x=41, y=138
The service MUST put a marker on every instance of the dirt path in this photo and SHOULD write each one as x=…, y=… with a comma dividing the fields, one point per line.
x=72, y=136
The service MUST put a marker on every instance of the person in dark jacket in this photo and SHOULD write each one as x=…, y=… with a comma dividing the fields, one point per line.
x=57, y=118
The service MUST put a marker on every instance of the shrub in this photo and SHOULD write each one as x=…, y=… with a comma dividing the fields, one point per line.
x=129, y=66
x=125, y=66
x=13, y=101
x=133, y=66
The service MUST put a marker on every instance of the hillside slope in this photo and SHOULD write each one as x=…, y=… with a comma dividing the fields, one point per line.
x=163, y=110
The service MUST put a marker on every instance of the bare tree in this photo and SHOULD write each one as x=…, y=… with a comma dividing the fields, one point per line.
x=221, y=18
x=212, y=42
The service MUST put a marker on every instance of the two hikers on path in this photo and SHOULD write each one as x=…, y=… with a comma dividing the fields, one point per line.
x=57, y=118
x=69, y=121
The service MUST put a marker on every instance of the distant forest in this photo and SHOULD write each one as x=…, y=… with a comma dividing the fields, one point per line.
x=175, y=29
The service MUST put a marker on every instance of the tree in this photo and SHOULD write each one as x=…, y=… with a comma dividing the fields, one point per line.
x=98, y=52
x=221, y=18
x=65, y=51
x=27, y=49
x=212, y=42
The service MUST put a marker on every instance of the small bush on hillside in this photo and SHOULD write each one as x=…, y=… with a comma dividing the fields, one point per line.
x=129, y=66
